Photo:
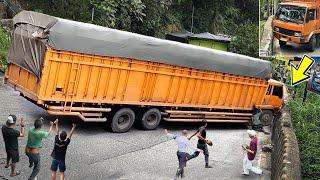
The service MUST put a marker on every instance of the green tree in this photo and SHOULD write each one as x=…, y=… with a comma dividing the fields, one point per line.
x=4, y=45
x=245, y=40
x=120, y=14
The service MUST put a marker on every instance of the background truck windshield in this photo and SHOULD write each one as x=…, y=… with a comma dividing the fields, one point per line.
x=292, y=14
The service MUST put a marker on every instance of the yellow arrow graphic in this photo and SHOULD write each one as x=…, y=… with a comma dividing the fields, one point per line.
x=299, y=74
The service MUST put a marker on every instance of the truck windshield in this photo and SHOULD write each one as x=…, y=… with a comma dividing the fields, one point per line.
x=292, y=14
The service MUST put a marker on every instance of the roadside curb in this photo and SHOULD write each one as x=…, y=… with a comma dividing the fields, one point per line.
x=267, y=39
x=265, y=163
x=265, y=157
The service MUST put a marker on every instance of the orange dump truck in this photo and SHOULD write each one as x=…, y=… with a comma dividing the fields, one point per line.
x=120, y=78
x=298, y=21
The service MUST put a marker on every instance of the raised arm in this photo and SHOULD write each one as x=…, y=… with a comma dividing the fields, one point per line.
x=56, y=122
x=193, y=135
x=50, y=129
x=22, y=128
x=71, y=131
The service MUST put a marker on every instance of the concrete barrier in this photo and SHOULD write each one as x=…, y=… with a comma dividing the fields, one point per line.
x=266, y=41
x=285, y=160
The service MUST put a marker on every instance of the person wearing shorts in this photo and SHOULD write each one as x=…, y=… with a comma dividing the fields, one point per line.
x=10, y=136
x=58, y=154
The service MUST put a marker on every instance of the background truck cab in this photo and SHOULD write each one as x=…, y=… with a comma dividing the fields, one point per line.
x=297, y=21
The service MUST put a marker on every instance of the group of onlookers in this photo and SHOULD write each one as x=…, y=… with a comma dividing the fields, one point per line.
x=34, y=144
x=183, y=142
x=62, y=140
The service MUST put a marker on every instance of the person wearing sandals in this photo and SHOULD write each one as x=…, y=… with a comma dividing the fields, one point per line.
x=58, y=154
x=34, y=144
x=10, y=136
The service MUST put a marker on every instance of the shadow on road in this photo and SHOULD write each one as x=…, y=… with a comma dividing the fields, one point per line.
x=94, y=128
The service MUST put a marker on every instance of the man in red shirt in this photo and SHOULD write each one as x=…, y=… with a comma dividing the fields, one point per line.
x=251, y=151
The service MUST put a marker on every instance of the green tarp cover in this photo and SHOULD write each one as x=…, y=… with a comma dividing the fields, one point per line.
x=28, y=49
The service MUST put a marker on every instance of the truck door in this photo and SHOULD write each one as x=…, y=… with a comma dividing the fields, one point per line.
x=276, y=97
x=311, y=22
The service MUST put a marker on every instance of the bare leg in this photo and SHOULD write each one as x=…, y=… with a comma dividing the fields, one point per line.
x=53, y=175
x=61, y=175
x=13, y=169
x=8, y=162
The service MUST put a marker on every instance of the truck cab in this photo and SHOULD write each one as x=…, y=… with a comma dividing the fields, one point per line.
x=297, y=22
x=273, y=101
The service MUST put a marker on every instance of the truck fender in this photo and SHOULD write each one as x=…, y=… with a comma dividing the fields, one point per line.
x=310, y=35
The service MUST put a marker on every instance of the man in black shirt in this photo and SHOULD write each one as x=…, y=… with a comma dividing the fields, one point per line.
x=58, y=154
x=10, y=137
x=202, y=143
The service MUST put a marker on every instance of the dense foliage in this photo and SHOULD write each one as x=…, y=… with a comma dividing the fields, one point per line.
x=4, y=44
x=306, y=120
x=237, y=18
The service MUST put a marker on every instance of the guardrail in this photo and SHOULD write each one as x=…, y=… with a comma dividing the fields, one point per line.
x=285, y=160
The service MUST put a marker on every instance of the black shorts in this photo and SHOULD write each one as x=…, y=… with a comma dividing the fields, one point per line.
x=58, y=164
x=13, y=155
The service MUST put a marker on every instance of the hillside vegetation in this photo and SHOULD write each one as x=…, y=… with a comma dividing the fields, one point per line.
x=4, y=44
x=306, y=121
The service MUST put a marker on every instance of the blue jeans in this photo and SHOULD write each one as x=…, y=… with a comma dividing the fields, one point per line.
x=34, y=159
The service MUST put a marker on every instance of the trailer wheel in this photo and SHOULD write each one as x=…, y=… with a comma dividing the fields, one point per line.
x=282, y=43
x=266, y=117
x=122, y=120
x=150, y=119
x=312, y=43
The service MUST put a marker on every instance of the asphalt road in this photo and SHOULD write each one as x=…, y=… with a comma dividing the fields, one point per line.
x=292, y=50
x=139, y=155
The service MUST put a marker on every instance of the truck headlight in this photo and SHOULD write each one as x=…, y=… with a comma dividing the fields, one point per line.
x=276, y=29
x=297, y=34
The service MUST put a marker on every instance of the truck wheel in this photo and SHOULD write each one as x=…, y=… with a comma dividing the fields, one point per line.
x=266, y=117
x=282, y=43
x=312, y=43
x=122, y=120
x=150, y=119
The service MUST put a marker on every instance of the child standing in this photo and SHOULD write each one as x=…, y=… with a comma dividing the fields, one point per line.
x=58, y=154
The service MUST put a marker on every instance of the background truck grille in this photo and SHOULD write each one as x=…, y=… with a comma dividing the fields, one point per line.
x=286, y=31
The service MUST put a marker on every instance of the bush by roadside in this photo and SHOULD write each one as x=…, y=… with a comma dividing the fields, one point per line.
x=306, y=122
x=4, y=45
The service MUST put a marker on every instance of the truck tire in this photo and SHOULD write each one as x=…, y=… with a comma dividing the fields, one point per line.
x=312, y=43
x=150, y=119
x=266, y=117
x=122, y=120
x=282, y=43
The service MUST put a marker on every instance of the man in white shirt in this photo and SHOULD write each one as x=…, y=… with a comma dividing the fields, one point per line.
x=183, y=143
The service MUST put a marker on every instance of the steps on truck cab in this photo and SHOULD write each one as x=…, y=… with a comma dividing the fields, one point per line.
x=198, y=116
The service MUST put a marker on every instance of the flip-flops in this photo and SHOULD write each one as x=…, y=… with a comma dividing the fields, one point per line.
x=16, y=174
